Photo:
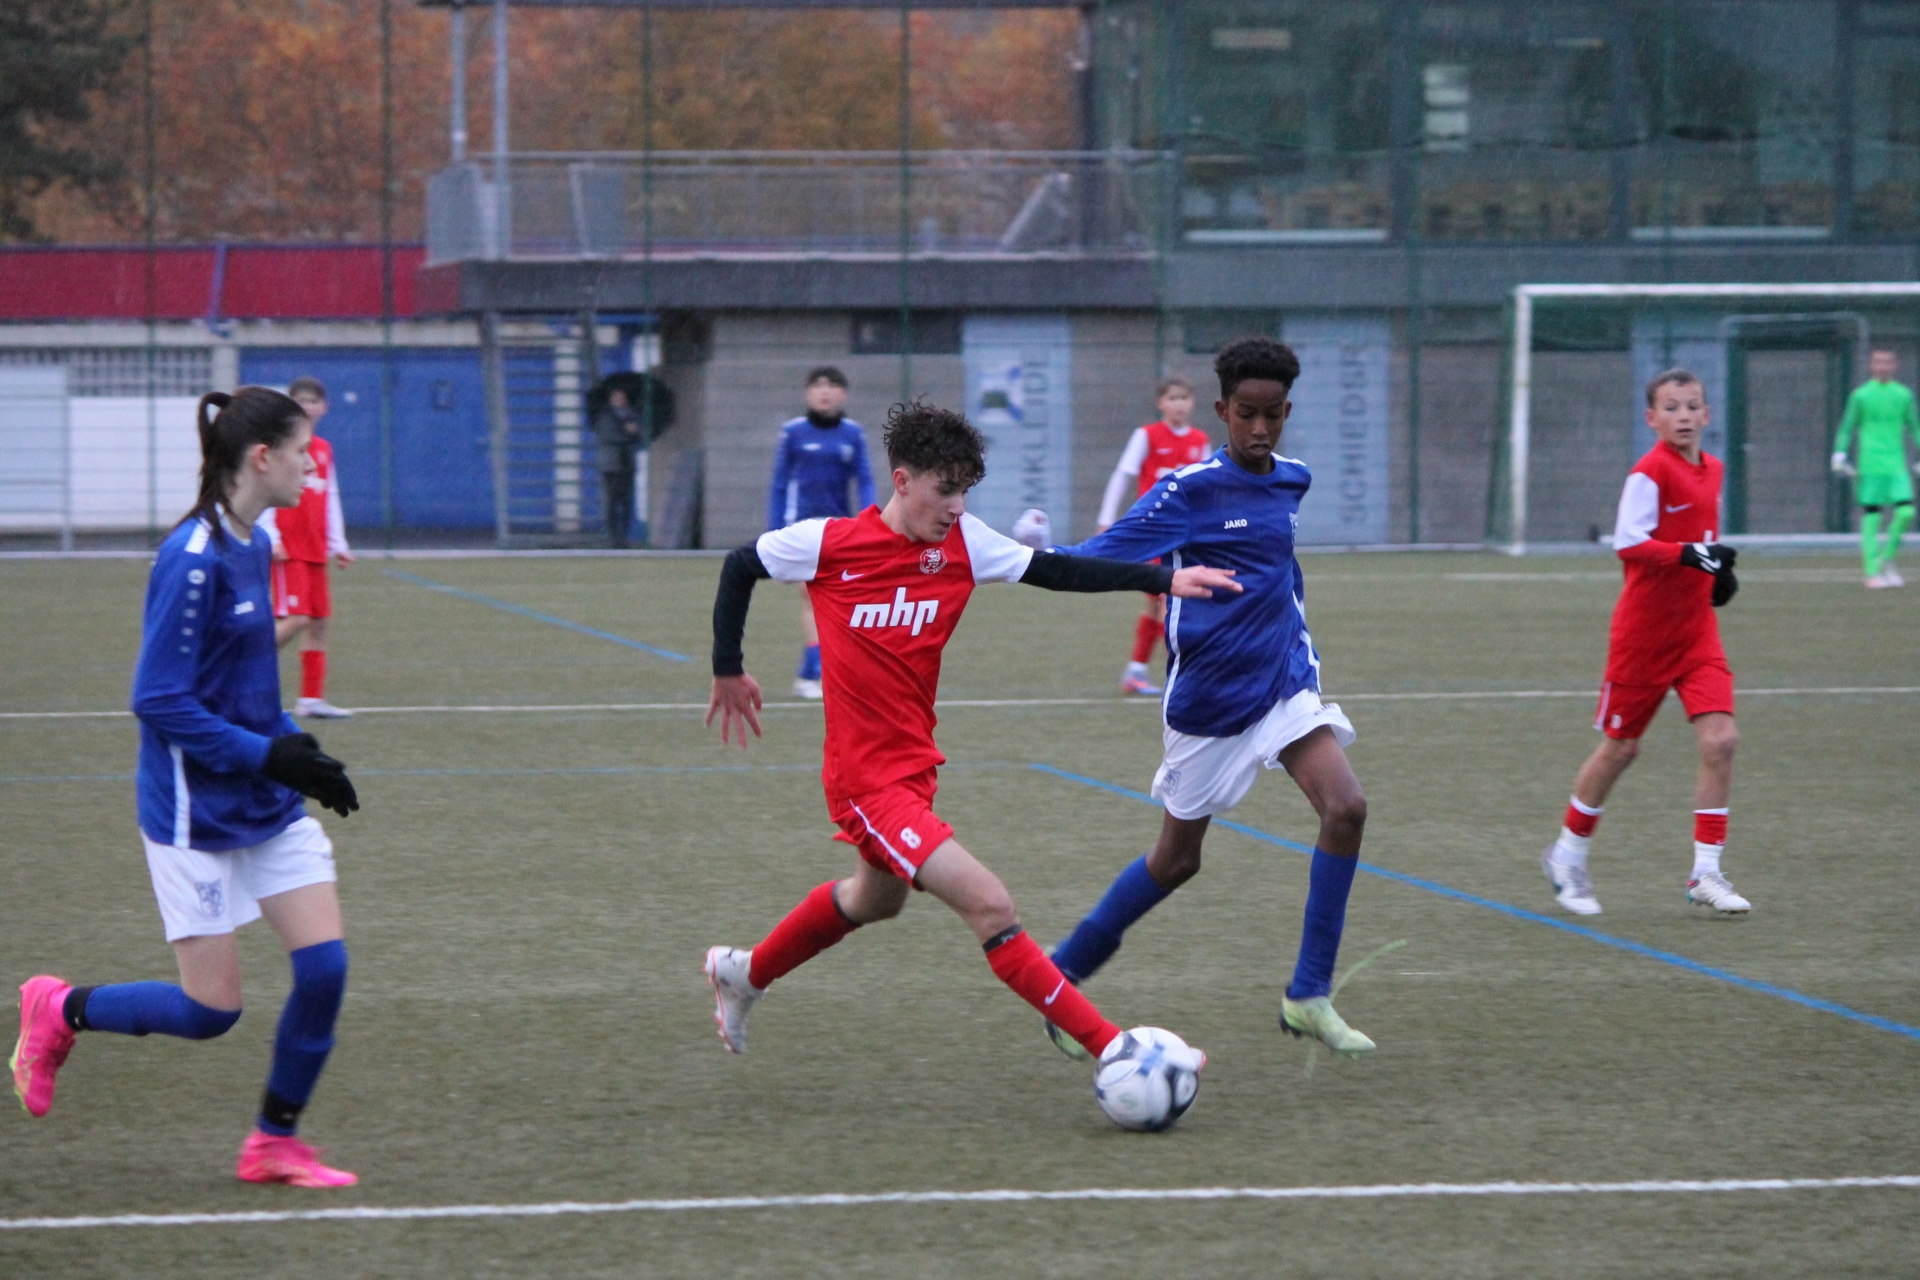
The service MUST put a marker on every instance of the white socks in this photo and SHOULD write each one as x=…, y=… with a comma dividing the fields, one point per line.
x=1570, y=850
x=1706, y=857
x=1138, y=670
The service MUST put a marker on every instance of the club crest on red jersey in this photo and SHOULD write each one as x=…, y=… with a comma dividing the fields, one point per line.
x=932, y=560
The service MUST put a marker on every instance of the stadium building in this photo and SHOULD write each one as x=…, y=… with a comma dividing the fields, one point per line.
x=1370, y=181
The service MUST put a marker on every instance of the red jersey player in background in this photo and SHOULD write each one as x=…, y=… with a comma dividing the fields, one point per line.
x=1664, y=637
x=888, y=588
x=1152, y=453
x=305, y=539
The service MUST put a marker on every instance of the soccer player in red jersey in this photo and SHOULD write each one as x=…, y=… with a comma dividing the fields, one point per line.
x=888, y=588
x=305, y=539
x=1153, y=452
x=1664, y=637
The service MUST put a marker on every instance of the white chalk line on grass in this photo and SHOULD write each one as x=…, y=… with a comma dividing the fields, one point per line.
x=837, y=1200
x=1470, y=695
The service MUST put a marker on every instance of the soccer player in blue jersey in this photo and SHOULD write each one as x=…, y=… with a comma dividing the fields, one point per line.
x=221, y=772
x=1243, y=685
x=818, y=453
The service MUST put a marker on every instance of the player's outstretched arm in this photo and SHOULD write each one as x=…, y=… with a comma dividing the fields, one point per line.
x=736, y=695
x=1060, y=571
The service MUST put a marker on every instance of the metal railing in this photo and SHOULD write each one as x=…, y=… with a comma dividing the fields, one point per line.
x=627, y=204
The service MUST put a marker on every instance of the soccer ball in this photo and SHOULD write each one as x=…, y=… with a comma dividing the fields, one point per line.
x=1147, y=1079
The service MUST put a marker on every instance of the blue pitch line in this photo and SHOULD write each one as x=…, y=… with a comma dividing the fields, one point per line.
x=1534, y=917
x=548, y=618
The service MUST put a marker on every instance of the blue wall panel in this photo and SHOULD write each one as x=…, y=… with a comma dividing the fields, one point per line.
x=442, y=477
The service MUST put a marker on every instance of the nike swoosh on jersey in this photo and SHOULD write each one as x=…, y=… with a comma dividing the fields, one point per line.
x=849, y=577
x=1682, y=507
x=1056, y=991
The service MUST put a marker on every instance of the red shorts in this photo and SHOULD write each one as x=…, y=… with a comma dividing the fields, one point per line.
x=1627, y=709
x=894, y=828
x=300, y=590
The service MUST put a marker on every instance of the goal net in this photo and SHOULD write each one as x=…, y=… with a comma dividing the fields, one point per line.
x=1777, y=362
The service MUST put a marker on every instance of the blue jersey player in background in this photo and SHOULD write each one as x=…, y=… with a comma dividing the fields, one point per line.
x=221, y=772
x=1243, y=684
x=818, y=454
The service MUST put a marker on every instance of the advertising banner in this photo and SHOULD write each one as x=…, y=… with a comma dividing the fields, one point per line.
x=1339, y=426
x=1019, y=378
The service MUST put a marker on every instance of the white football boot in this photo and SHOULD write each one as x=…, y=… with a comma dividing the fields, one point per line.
x=808, y=689
x=320, y=709
x=1892, y=575
x=733, y=995
x=1711, y=889
x=1572, y=886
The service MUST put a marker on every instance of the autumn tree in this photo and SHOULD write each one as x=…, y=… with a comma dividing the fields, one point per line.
x=267, y=112
x=55, y=56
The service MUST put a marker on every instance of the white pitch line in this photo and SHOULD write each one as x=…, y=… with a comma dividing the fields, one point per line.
x=1469, y=695
x=558, y=1208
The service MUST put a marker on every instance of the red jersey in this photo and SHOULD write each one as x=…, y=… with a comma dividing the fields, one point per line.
x=1153, y=452
x=885, y=606
x=1663, y=624
x=316, y=528
x=1168, y=451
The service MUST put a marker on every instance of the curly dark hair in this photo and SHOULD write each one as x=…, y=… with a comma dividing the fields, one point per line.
x=924, y=437
x=1245, y=359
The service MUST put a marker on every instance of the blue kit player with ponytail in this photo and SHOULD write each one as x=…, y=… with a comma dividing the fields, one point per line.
x=1243, y=684
x=221, y=773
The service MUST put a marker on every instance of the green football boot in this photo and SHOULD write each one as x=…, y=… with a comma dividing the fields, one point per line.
x=1315, y=1017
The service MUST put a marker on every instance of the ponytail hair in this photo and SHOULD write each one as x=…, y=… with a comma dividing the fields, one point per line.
x=230, y=425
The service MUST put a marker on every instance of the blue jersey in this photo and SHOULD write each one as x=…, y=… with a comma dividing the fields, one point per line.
x=1231, y=658
x=207, y=692
x=811, y=468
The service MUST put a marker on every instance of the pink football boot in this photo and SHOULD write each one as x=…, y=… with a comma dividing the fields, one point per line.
x=270, y=1157
x=45, y=1040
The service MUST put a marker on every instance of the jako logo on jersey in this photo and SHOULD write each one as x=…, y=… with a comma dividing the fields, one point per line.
x=932, y=560
x=902, y=612
x=1235, y=524
x=245, y=606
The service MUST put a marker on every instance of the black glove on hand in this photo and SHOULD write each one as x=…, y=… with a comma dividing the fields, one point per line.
x=1707, y=557
x=295, y=760
x=1725, y=585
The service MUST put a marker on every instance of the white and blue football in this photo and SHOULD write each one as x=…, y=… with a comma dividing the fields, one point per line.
x=1147, y=1079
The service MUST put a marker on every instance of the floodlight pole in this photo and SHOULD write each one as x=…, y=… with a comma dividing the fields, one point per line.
x=457, y=55
x=502, y=201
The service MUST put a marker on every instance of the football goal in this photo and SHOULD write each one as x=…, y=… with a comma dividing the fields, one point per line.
x=1777, y=362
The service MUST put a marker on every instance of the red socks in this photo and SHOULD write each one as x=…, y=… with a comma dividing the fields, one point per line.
x=1581, y=820
x=817, y=924
x=1145, y=634
x=1021, y=964
x=1709, y=826
x=313, y=673
x=809, y=929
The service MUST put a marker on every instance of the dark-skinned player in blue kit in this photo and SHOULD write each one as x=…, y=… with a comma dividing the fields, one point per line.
x=1243, y=684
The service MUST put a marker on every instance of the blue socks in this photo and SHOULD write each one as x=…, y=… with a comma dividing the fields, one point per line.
x=1327, y=888
x=305, y=1036
x=809, y=663
x=1134, y=893
x=141, y=1008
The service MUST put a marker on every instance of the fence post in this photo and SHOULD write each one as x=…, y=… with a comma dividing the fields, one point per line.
x=493, y=373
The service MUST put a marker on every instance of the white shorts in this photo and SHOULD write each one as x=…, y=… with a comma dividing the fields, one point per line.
x=201, y=894
x=1204, y=776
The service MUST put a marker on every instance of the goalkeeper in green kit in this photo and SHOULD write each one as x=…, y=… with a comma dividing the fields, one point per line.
x=1882, y=411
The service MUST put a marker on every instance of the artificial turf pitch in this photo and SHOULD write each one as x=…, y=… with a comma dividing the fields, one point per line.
x=529, y=895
